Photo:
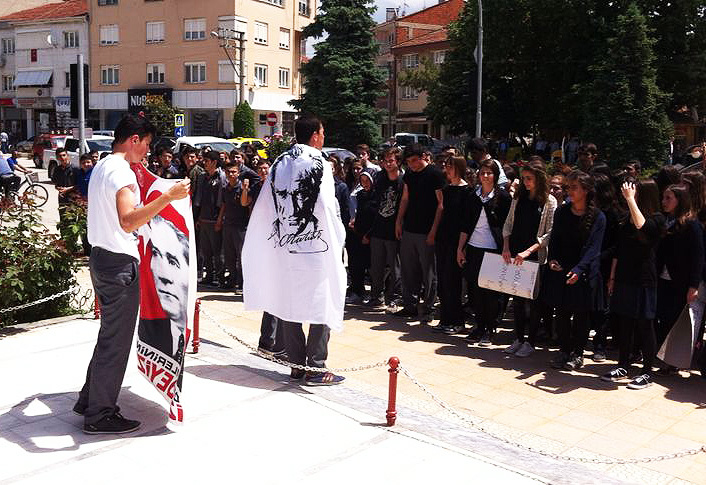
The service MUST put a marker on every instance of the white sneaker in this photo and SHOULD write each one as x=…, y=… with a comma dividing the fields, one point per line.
x=514, y=347
x=525, y=350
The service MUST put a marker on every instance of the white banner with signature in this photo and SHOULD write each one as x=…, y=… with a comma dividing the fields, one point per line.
x=518, y=280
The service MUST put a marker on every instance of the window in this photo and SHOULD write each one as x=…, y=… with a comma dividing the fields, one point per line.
x=8, y=83
x=226, y=73
x=409, y=93
x=284, y=39
x=109, y=34
x=8, y=45
x=410, y=61
x=107, y=2
x=71, y=39
x=194, y=29
x=155, y=32
x=391, y=38
x=439, y=57
x=155, y=73
x=279, y=3
x=304, y=7
x=67, y=80
x=110, y=75
x=195, y=72
x=260, y=75
x=283, y=77
x=260, y=33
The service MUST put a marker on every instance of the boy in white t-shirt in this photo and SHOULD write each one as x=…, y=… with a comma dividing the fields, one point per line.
x=113, y=219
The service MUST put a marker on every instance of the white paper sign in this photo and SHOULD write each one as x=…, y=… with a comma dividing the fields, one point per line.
x=518, y=280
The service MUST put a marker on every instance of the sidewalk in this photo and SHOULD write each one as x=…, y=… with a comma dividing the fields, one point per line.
x=244, y=423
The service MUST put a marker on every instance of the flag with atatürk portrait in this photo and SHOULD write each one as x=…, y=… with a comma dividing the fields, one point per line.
x=167, y=291
x=293, y=249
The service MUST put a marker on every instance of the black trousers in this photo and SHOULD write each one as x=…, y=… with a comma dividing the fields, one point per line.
x=210, y=248
x=450, y=283
x=358, y=261
x=312, y=350
x=271, y=333
x=644, y=330
x=573, y=332
x=527, y=314
x=233, y=238
x=117, y=284
x=486, y=303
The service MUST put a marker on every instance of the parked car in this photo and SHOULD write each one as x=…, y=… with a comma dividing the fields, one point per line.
x=406, y=139
x=25, y=145
x=45, y=142
x=99, y=143
x=104, y=132
x=201, y=142
x=259, y=144
x=341, y=153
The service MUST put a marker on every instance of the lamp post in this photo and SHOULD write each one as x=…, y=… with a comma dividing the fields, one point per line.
x=479, y=61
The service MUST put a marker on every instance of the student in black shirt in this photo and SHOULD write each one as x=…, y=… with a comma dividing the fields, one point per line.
x=384, y=246
x=210, y=198
x=417, y=222
x=233, y=221
x=64, y=178
x=632, y=285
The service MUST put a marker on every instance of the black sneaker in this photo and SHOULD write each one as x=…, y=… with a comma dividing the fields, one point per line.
x=441, y=328
x=475, y=335
x=598, y=355
x=112, y=424
x=296, y=375
x=640, y=382
x=406, y=312
x=374, y=303
x=452, y=330
x=575, y=362
x=559, y=361
x=80, y=408
x=486, y=339
x=616, y=375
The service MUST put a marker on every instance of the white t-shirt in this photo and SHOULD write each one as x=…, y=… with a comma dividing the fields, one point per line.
x=482, y=236
x=109, y=176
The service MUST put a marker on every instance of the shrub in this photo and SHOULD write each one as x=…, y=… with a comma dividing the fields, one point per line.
x=36, y=264
x=278, y=145
x=244, y=121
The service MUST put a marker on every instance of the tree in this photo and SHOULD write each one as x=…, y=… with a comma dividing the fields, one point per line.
x=423, y=78
x=624, y=109
x=244, y=121
x=161, y=114
x=342, y=81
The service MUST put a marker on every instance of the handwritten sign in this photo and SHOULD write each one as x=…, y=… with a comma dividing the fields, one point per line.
x=518, y=280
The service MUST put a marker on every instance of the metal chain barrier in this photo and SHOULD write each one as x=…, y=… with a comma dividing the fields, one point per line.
x=274, y=359
x=79, y=297
x=475, y=423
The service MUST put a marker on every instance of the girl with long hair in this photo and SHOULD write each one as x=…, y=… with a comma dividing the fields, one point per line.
x=526, y=237
x=573, y=284
x=632, y=285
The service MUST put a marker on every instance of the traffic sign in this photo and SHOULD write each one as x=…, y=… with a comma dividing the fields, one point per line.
x=178, y=120
x=179, y=131
x=272, y=119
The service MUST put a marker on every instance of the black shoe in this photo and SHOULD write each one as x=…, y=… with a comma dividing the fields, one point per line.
x=559, y=361
x=640, y=382
x=296, y=375
x=475, y=335
x=452, y=330
x=112, y=424
x=80, y=408
x=406, y=312
x=440, y=328
x=616, y=375
x=575, y=362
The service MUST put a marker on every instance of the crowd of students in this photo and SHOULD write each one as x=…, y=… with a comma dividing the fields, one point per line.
x=618, y=253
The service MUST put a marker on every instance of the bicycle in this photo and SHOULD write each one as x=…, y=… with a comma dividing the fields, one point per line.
x=29, y=193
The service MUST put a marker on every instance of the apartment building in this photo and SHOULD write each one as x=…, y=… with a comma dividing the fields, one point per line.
x=166, y=48
x=37, y=46
x=404, y=43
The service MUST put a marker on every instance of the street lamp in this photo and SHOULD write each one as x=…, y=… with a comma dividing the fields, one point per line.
x=479, y=60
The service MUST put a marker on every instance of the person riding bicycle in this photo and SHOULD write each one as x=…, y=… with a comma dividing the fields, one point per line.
x=8, y=180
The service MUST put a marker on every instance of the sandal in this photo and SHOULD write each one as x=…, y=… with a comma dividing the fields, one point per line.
x=323, y=379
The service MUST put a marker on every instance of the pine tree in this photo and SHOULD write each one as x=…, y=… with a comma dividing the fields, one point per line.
x=244, y=121
x=342, y=81
x=624, y=111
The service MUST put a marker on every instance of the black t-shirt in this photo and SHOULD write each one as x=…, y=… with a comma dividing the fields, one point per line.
x=456, y=204
x=64, y=177
x=211, y=196
x=421, y=207
x=388, y=194
x=567, y=238
x=637, y=252
x=528, y=212
x=234, y=213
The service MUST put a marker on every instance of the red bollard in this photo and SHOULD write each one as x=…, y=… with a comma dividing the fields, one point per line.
x=96, y=309
x=197, y=316
x=394, y=363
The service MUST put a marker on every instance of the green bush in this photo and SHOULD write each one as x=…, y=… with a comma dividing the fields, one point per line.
x=243, y=121
x=36, y=264
x=73, y=225
x=278, y=145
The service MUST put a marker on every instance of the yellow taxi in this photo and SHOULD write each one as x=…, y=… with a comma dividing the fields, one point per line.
x=258, y=143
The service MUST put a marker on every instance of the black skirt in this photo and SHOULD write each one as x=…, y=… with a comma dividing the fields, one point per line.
x=582, y=296
x=634, y=301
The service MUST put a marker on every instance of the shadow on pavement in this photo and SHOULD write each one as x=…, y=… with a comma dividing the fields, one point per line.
x=10, y=331
x=245, y=376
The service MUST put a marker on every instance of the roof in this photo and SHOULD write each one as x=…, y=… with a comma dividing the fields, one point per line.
x=59, y=10
x=428, y=38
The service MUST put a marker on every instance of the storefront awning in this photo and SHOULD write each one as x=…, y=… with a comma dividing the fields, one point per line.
x=32, y=78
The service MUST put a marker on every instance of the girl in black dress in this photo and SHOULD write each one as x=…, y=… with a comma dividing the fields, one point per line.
x=482, y=227
x=456, y=203
x=632, y=285
x=573, y=284
x=526, y=237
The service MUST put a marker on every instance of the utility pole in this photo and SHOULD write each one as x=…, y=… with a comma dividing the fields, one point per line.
x=234, y=39
x=81, y=108
x=479, y=60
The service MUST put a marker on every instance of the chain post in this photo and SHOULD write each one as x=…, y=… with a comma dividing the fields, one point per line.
x=196, y=341
x=391, y=414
